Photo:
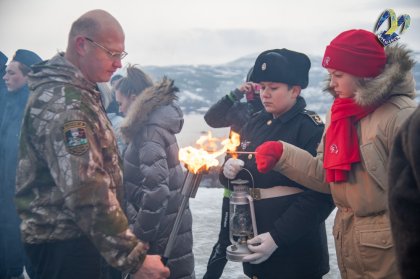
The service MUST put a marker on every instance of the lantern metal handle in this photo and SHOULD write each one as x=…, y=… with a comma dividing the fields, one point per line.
x=253, y=219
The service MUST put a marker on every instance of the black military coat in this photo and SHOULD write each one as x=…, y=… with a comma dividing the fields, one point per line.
x=296, y=222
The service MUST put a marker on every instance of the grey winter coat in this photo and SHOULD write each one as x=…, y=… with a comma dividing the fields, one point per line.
x=153, y=175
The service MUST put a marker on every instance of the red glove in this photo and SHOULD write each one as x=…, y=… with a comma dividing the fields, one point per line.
x=268, y=155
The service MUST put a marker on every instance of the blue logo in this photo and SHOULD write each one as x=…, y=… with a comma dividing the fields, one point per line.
x=390, y=35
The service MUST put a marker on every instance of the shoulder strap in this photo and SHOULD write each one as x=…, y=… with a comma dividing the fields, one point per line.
x=314, y=116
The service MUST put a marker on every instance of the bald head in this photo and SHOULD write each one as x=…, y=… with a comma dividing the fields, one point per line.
x=94, y=39
x=94, y=23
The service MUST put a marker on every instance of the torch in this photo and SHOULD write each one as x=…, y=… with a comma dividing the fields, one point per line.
x=197, y=161
x=188, y=190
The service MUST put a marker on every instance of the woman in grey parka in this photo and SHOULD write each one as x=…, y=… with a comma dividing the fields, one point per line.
x=152, y=172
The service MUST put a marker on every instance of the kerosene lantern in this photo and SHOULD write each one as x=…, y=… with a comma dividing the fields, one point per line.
x=242, y=224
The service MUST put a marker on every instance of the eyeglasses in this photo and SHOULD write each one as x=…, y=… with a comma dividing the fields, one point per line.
x=112, y=54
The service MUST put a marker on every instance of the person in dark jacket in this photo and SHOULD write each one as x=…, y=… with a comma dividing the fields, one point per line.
x=404, y=196
x=12, y=257
x=229, y=111
x=290, y=218
x=153, y=174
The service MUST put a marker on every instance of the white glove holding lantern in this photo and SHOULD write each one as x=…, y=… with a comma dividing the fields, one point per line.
x=262, y=247
x=232, y=167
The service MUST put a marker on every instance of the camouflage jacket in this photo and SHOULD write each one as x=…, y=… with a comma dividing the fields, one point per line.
x=69, y=179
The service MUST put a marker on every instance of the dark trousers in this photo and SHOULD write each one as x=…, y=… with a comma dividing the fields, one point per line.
x=69, y=259
x=217, y=260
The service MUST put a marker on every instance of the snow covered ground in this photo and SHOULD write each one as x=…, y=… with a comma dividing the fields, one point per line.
x=206, y=213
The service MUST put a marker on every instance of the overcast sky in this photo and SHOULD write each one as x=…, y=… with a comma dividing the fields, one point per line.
x=168, y=32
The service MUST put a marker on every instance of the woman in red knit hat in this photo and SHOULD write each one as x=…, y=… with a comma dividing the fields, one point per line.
x=373, y=90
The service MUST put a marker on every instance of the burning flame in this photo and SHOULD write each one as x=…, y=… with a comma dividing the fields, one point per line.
x=208, y=149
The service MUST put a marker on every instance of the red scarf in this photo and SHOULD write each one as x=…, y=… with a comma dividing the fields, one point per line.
x=341, y=141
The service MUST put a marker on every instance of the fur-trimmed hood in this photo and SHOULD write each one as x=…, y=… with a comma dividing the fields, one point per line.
x=396, y=79
x=154, y=106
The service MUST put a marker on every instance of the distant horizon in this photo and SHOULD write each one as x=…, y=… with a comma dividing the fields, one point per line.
x=200, y=32
x=319, y=56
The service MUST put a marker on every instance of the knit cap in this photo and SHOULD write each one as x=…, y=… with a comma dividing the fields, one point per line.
x=357, y=52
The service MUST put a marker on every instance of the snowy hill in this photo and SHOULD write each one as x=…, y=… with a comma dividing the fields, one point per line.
x=202, y=85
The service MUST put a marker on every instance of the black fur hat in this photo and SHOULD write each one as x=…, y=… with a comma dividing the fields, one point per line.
x=282, y=65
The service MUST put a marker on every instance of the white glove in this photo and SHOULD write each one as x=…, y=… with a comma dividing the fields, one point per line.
x=262, y=251
x=232, y=167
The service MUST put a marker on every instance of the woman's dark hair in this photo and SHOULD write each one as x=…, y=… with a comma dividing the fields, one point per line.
x=134, y=83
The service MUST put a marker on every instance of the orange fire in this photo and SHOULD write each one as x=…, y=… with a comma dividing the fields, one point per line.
x=208, y=149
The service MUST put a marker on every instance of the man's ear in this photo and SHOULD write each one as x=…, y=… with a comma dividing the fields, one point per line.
x=81, y=45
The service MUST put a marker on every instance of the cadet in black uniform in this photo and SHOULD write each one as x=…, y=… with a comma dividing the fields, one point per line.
x=289, y=217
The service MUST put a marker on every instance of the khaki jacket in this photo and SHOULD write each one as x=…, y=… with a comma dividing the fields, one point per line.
x=361, y=229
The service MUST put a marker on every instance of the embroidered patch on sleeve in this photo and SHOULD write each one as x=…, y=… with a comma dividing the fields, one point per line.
x=75, y=137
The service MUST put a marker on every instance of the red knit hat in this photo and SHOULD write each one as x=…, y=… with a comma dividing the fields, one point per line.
x=357, y=52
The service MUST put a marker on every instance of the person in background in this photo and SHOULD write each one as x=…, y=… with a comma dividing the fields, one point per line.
x=373, y=90
x=292, y=241
x=114, y=114
x=16, y=78
x=112, y=107
x=3, y=88
x=230, y=112
x=108, y=98
x=153, y=175
x=69, y=181
x=404, y=196
x=113, y=82
x=106, y=93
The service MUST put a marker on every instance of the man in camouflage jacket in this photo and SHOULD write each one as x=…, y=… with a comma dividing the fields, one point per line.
x=69, y=178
